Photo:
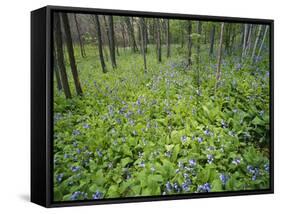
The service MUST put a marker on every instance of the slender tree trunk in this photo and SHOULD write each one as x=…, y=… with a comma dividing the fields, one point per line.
x=256, y=44
x=212, y=40
x=168, y=38
x=142, y=35
x=182, y=37
x=111, y=41
x=244, y=40
x=131, y=34
x=103, y=66
x=56, y=70
x=158, y=40
x=218, y=75
x=123, y=36
x=261, y=45
x=199, y=31
x=189, y=48
x=249, y=39
x=71, y=56
x=60, y=57
x=82, y=49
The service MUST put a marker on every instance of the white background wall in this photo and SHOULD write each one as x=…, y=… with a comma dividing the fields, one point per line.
x=15, y=105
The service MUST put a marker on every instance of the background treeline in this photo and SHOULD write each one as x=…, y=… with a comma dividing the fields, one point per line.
x=114, y=35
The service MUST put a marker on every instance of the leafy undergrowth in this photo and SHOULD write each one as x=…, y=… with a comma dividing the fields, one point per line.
x=135, y=134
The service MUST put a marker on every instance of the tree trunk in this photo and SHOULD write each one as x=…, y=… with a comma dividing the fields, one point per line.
x=189, y=48
x=244, y=40
x=60, y=57
x=56, y=70
x=218, y=75
x=142, y=35
x=264, y=36
x=131, y=34
x=123, y=35
x=103, y=66
x=111, y=42
x=71, y=56
x=158, y=40
x=168, y=38
x=255, y=45
x=212, y=40
x=82, y=49
x=199, y=31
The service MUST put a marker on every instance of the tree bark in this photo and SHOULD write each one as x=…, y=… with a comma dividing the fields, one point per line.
x=256, y=44
x=56, y=70
x=60, y=57
x=131, y=34
x=82, y=49
x=71, y=56
x=244, y=40
x=264, y=36
x=142, y=31
x=199, y=31
x=212, y=40
x=97, y=22
x=218, y=75
x=168, y=38
x=189, y=48
x=111, y=42
x=158, y=40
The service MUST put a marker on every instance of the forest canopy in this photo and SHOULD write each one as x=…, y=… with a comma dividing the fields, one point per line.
x=157, y=106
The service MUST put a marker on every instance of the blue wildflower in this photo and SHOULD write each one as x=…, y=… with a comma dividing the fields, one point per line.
x=207, y=132
x=75, y=168
x=168, y=154
x=204, y=188
x=183, y=138
x=75, y=195
x=99, y=153
x=236, y=161
x=266, y=167
x=200, y=139
x=192, y=162
x=210, y=158
x=78, y=151
x=185, y=187
x=86, y=126
x=74, y=144
x=59, y=177
x=66, y=155
x=76, y=132
x=223, y=178
x=177, y=187
x=168, y=186
x=97, y=195
x=142, y=164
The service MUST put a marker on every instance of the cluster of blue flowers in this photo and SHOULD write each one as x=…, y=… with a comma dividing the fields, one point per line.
x=254, y=171
x=97, y=195
x=204, y=188
x=78, y=195
x=223, y=179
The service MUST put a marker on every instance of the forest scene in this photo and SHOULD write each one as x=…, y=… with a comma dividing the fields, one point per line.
x=148, y=106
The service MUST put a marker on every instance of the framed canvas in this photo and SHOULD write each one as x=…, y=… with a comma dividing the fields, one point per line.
x=131, y=106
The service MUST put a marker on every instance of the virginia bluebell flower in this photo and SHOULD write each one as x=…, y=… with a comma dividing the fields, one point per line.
x=99, y=153
x=75, y=195
x=177, y=187
x=192, y=162
x=86, y=126
x=183, y=138
x=59, y=177
x=236, y=161
x=223, y=178
x=97, y=195
x=168, y=186
x=210, y=158
x=204, y=188
x=266, y=167
x=185, y=187
x=75, y=168
x=200, y=139
x=76, y=132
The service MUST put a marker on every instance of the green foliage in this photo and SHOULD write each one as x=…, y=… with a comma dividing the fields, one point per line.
x=136, y=134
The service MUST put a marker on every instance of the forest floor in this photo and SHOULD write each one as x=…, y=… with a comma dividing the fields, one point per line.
x=141, y=134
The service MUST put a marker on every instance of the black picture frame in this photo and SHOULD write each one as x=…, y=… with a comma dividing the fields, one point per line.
x=41, y=105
